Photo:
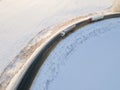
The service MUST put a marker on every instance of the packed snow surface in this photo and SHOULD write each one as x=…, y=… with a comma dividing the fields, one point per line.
x=21, y=20
x=116, y=6
x=88, y=59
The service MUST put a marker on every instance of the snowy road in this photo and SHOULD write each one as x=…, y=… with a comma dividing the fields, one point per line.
x=23, y=20
x=87, y=59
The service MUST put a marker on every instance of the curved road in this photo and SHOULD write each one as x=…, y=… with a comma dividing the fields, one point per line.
x=30, y=74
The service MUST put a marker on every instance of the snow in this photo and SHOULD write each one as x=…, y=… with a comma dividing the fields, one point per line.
x=88, y=59
x=21, y=20
x=116, y=6
x=25, y=22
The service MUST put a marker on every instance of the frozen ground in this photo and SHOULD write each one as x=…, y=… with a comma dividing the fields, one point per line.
x=86, y=60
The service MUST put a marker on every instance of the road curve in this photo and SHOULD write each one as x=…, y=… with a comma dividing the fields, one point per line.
x=30, y=74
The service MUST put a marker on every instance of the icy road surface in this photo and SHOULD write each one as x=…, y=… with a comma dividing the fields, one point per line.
x=88, y=59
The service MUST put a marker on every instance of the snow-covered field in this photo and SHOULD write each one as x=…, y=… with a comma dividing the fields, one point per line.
x=22, y=20
x=86, y=60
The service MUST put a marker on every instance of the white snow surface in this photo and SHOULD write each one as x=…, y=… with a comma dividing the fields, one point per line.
x=88, y=59
x=22, y=20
